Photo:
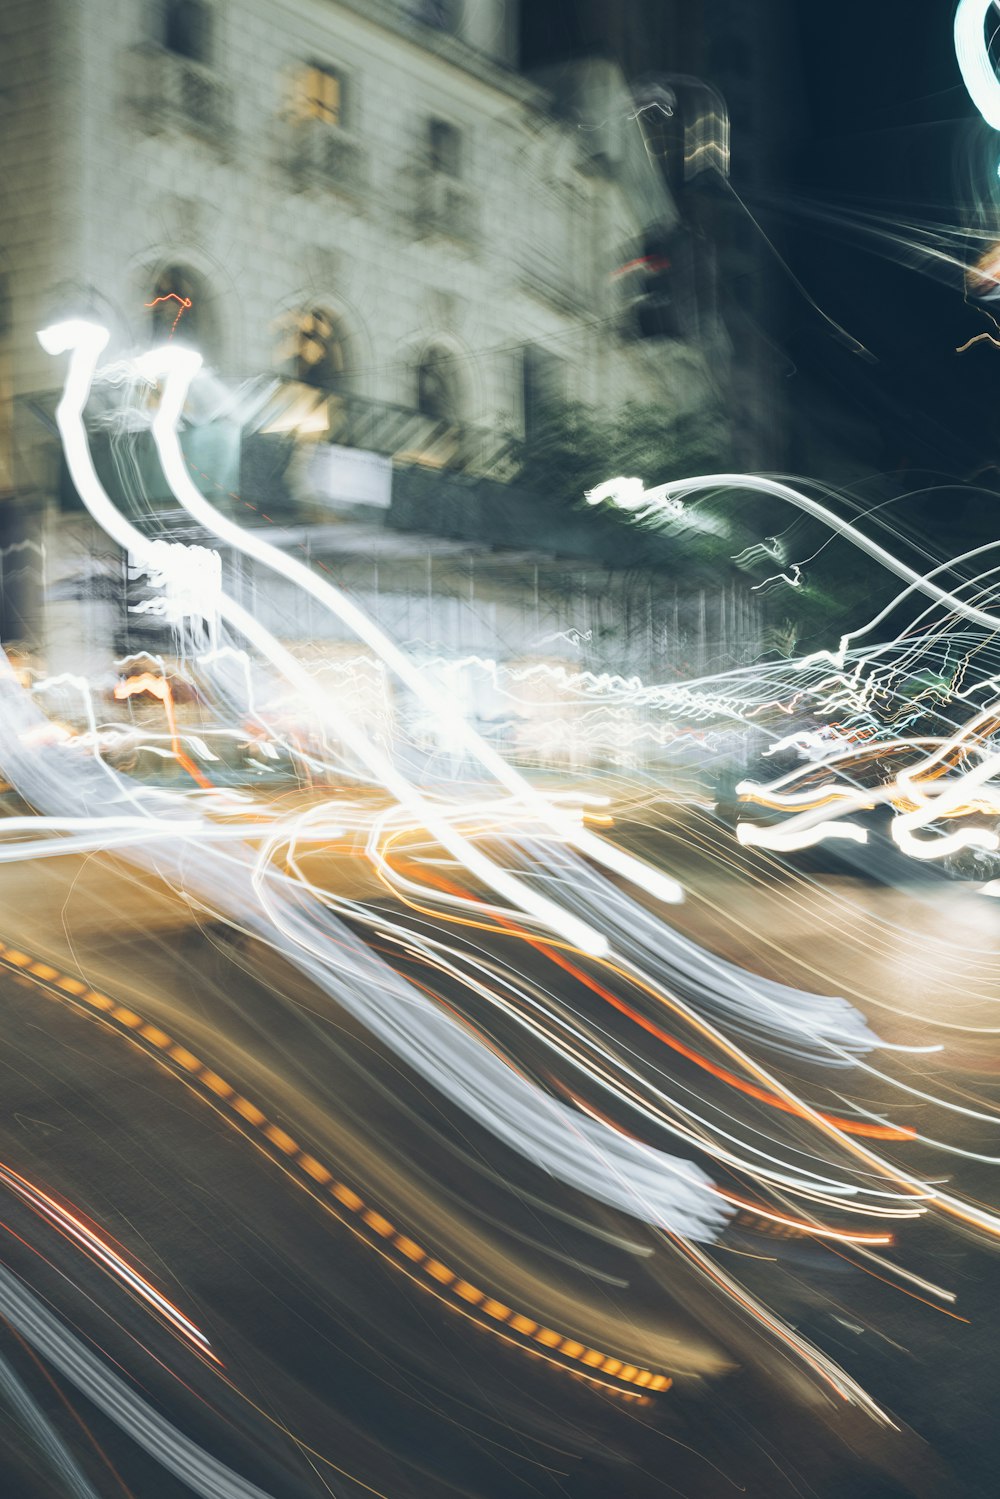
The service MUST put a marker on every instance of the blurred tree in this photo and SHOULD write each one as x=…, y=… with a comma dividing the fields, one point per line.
x=571, y=448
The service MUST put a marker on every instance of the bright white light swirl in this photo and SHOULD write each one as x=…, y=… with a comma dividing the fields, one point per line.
x=665, y=497
x=788, y=838
x=179, y=366
x=978, y=73
x=85, y=342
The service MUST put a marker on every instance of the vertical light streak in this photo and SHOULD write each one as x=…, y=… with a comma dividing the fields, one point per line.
x=179, y=366
x=85, y=343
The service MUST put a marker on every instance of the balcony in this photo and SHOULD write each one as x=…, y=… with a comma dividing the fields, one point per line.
x=324, y=155
x=445, y=208
x=172, y=92
x=409, y=437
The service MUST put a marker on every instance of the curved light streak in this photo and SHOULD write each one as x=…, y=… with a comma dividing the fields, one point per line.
x=179, y=367
x=255, y=877
x=202, y=1472
x=662, y=499
x=85, y=342
x=978, y=73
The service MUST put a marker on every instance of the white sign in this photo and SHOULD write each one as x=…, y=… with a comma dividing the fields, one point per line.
x=350, y=476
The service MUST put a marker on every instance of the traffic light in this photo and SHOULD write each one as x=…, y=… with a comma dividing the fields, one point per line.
x=657, y=311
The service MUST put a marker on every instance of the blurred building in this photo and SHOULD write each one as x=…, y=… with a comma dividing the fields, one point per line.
x=400, y=249
x=715, y=83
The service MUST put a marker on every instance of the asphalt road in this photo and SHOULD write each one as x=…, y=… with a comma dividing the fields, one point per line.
x=319, y=1323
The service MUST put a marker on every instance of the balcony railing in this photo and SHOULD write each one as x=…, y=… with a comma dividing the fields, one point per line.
x=168, y=91
x=324, y=155
x=445, y=207
x=406, y=436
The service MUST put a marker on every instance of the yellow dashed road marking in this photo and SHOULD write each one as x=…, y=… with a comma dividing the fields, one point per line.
x=216, y=1083
x=185, y=1058
x=315, y=1169
x=281, y=1140
x=381, y=1225
x=347, y=1197
x=411, y=1250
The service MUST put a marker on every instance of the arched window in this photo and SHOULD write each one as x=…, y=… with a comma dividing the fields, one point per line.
x=177, y=309
x=438, y=393
x=314, y=347
x=187, y=29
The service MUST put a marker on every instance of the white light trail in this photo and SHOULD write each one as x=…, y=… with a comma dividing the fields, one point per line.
x=84, y=342
x=786, y=839
x=589, y=1156
x=664, y=990
x=112, y=1394
x=179, y=366
x=978, y=73
x=631, y=494
x=662, y=500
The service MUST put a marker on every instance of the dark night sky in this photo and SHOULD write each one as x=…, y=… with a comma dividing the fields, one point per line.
x=878, y=121
x=890, y=130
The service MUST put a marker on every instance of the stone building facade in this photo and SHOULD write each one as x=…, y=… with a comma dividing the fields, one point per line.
x=361, y=201
x=376, y=176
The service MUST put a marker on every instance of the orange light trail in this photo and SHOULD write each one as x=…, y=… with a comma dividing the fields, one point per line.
x=549, y=949
x=160, y=688
x=183, y=303
x=72, y=1226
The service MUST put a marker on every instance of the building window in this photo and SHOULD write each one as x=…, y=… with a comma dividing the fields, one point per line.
x=314, y=348
x=187, y=29
x=176, y=308
x=322, y=94
x=438, y=386
x=444, y=146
